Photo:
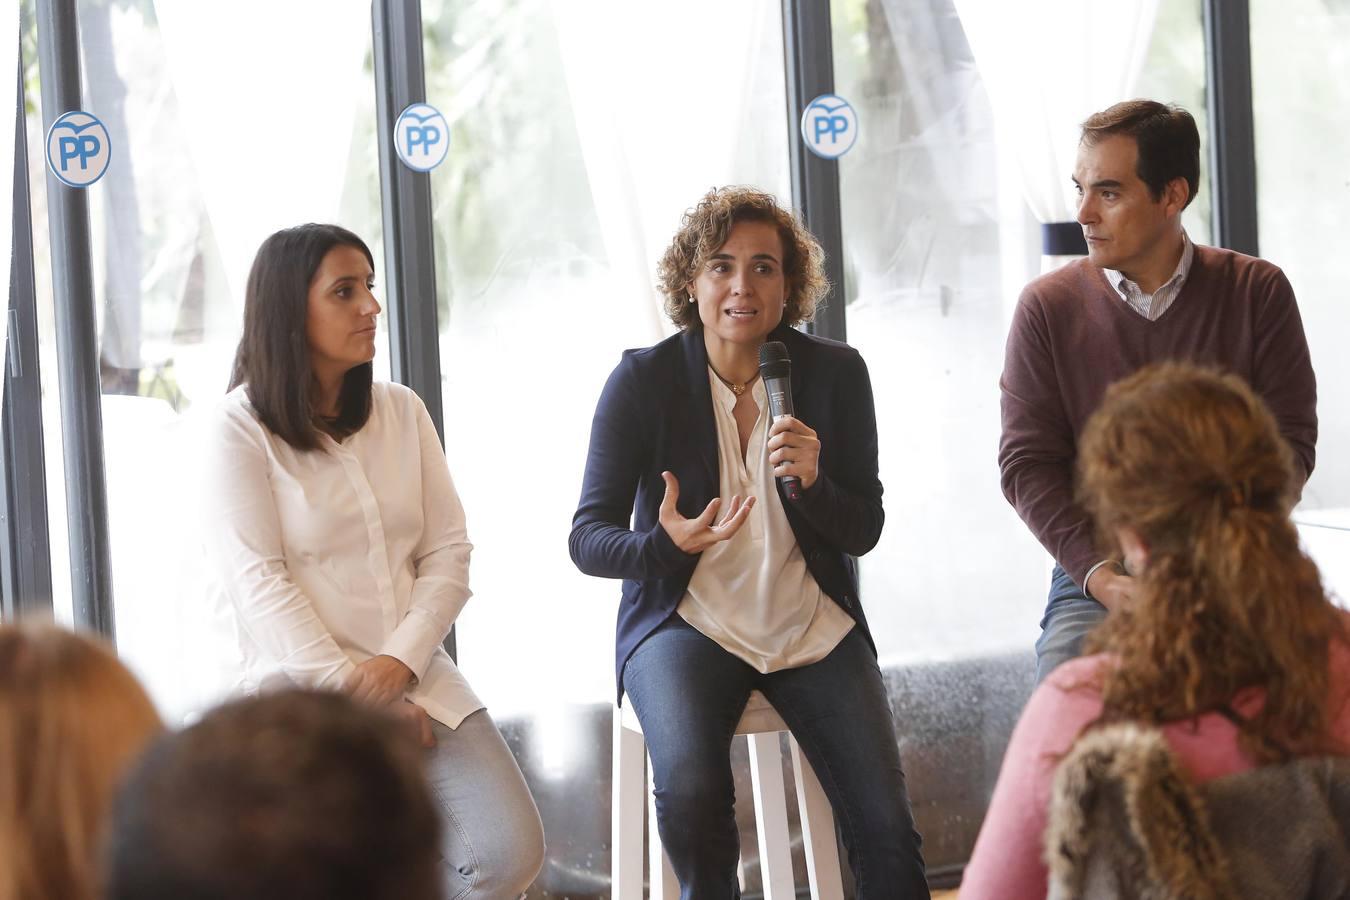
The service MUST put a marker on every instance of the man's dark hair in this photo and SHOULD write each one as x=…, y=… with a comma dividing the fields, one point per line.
x=288, y=796
x=273, y=358
x=1168, y=141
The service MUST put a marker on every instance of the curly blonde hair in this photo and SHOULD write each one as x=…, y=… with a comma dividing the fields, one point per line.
x=1193, y=461
x=705, y=228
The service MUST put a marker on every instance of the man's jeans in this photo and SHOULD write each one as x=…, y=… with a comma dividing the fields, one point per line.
x=689, y=693
x=1069, y=616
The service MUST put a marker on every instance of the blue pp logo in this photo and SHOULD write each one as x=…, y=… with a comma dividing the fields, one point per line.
x=78, y=149
x=829, y=126
x=421, y=137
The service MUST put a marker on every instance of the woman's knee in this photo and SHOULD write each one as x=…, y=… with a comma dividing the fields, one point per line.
x=507, y=866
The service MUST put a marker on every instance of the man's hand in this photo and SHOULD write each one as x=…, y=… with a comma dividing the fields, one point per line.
x=415, y=721
x=794, y=449
x=1109, y=588
x=696, y=535
x=379, y=681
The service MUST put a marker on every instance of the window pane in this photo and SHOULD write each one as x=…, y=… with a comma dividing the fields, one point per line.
x=562, y=188
x=1300, y=90
x=203, y=168
x=938, y=242
x=580, y=132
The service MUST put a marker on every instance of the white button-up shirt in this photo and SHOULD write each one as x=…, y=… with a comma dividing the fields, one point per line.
x=326, y=558
x=752, y=593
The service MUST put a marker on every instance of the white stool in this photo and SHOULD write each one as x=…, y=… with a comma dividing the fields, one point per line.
x=761, y=724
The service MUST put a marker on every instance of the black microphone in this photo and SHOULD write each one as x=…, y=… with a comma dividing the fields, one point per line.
x=776, y=370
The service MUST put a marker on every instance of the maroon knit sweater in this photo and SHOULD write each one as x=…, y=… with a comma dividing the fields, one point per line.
x=1072, y=336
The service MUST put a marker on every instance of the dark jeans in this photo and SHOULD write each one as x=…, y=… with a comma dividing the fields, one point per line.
x=1069, y=616
x=689, y=693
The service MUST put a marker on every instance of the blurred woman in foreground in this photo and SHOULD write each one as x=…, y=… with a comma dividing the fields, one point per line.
x=1230, y=645
x=72, y=720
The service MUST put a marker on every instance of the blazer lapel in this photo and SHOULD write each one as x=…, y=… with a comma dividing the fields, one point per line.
x=701, y=430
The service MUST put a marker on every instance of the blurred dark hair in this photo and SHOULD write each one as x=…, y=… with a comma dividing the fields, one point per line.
x=288, y=796
x=273, y=356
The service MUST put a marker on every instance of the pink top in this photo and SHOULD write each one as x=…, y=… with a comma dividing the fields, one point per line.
x=1007, y=862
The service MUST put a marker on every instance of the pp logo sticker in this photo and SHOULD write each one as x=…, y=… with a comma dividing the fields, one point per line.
x=78, y=149
x=829, y=126
x=421, y=137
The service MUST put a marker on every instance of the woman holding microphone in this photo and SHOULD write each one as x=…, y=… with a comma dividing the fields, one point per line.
x=729, y=587
x=339, y=542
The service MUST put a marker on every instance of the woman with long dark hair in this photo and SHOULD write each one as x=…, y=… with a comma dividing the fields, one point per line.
x=729, y=584
x=340, y=545
x=1230, y=644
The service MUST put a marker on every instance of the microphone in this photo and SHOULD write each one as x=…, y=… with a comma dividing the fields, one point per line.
x=776, y=370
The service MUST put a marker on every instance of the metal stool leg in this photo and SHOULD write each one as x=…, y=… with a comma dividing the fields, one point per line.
x=775, y=849
x=664, y=884
x=818, y=840
x=629, y=782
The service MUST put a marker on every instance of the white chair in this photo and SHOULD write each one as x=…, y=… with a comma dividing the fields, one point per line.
x=761, y=725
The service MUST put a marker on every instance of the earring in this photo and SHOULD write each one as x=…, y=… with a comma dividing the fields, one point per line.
x=693, y=299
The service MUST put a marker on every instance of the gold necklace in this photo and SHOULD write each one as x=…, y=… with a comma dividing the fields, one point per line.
x=736, y=389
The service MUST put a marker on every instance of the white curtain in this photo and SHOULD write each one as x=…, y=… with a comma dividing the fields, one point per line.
x=269, y=92
x=1048, y=65
x=667, y=99
x=9, y=64
x=265, y=99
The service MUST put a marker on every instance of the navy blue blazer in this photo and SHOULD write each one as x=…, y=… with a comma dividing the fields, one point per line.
x=656, y=414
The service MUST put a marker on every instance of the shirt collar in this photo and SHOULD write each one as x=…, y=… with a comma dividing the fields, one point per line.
x=1122, y=284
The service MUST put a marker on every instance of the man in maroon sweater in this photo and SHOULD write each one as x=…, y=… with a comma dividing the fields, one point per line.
x=1144, y=294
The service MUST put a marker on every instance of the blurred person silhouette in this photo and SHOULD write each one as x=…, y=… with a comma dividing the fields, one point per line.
x=1229, y=644
x=292, y=795
x=72, y=720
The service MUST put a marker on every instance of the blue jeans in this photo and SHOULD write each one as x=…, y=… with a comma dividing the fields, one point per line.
x=492, y=842
x=689, y=693
x=1069, y=616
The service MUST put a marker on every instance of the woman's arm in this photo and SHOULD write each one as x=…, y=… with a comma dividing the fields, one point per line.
x=601, y=542
x=843, y=505
x=441, y=586
x=243, y=541
x=1008, y=862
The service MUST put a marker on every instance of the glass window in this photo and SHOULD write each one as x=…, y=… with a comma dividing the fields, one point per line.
x=939, y=239
x=580, y=133
x=210, y=155
x=574, y=151
x=1300, y=90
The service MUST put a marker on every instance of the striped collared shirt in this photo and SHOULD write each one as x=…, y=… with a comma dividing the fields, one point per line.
x=1153, y=305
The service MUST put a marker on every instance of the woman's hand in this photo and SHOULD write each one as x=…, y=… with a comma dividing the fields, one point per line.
x=794, y=449
x=415, y=721
x=379, y=681
x=696, y=535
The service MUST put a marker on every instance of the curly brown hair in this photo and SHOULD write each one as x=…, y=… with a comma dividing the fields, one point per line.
x=705, y=228
x=1193, y=461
